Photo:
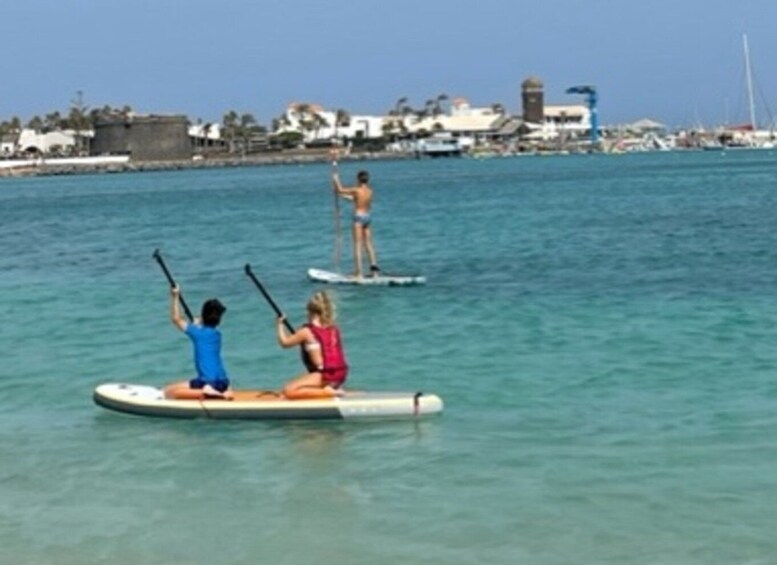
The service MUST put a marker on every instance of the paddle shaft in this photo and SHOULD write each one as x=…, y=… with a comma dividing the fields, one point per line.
x=173, y=284
x=338, y=234
x=304, y=354
x=267, y=297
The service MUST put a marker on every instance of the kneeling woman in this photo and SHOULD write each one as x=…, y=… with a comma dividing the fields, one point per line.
x=325, y=359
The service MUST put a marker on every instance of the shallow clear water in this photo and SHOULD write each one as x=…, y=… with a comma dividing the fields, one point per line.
x=601, y=329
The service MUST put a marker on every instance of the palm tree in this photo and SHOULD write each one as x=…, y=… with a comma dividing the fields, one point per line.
x=230, y=128
x=400, y=104
x=307, y=118
x=52, y=121
x=79, y=121
x=205, y=133
x=342, y=119
x=427, y=110
x=438, y=109
x=247, y=123
x=319, y=122
x=35, y=123
x=389, y=128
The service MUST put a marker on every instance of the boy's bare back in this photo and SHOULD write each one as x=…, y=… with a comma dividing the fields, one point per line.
x=362, y=199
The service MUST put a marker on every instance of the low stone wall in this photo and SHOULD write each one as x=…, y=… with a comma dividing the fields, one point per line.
x=295, y=158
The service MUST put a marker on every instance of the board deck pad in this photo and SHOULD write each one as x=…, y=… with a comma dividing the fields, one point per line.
x=383, y=279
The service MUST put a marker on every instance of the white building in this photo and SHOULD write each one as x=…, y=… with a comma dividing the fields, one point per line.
x=561, y=120
x=317, y=124
x=7, y=145
x=469, y=124
x=463, y=120
x=31, y=141
x=202, y=132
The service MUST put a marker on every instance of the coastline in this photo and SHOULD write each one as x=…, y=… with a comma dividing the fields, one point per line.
x=286, y=158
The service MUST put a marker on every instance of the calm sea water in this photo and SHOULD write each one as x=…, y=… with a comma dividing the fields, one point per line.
x=602, y=330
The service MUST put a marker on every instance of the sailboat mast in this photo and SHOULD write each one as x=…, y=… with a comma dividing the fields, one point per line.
x=749, y=76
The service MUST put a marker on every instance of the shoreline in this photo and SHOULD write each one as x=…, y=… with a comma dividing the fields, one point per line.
x=300, y=158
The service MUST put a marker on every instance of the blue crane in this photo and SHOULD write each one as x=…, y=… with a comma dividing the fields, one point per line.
x=592, y=98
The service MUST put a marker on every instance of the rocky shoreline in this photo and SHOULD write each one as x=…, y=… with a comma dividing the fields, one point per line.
x=291, y=158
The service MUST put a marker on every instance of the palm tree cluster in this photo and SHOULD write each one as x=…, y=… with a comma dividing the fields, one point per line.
x=395, y=126
x=240, y=131
x=433, y=107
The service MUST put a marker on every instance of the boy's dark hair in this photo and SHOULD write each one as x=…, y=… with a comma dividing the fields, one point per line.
x=363, y=177
x=212, y=310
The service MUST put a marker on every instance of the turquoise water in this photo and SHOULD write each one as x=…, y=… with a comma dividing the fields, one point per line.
x=602, y=330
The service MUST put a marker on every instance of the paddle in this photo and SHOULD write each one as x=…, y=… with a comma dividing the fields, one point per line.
x=338, y=231
x=172, y=282
x=271, y=302
x=267, y=297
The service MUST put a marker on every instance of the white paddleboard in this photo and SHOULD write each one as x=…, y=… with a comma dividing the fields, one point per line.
x=146, y=400
x=319, y=275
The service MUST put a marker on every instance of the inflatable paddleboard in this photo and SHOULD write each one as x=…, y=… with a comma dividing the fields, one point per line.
x=382, y=279
x=263, y=405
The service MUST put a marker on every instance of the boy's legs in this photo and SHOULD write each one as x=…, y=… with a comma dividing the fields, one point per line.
x=370, y=250
x=357, y=249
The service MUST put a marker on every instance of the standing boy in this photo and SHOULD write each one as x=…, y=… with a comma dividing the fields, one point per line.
x=361, y=195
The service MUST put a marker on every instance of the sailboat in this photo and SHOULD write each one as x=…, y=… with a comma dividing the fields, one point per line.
x=748, y=135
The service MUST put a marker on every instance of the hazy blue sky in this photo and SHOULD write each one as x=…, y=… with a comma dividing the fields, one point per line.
x=678, y=61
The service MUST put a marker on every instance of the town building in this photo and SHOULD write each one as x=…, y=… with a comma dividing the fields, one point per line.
x=143, y=138
x=319, y=125
x=470, y=125
x=31, y=142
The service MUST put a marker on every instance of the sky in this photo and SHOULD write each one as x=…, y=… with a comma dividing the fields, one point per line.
x=679, y=62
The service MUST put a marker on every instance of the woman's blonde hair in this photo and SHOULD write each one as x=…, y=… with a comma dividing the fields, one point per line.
x=321, y=305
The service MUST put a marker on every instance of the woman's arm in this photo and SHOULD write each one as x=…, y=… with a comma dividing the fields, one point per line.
x=297, y=338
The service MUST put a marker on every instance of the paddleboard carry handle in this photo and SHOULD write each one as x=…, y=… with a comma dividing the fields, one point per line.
x=171, y=280
x=416, y=403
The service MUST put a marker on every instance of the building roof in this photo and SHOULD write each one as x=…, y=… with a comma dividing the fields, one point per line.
x=532, y=82
x=556, y=110
x=508, y=126
x=312, y=107
x=475, y=121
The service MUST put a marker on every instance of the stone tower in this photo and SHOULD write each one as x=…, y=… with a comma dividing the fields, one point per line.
x=533, y=100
